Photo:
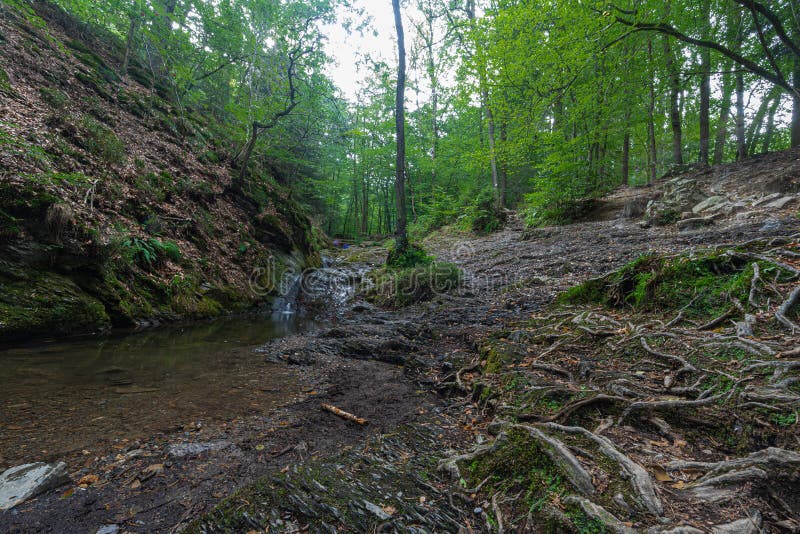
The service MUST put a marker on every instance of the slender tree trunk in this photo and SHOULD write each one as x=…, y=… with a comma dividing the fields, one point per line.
x=705, y=87
x=724, y=115
x=758, y=120
x=674, y=102
x=652, y=155
x=401, y=235
x=626, y=158
x=771, y=124
x=741, y=141
x=134, y=15
x=796, y=105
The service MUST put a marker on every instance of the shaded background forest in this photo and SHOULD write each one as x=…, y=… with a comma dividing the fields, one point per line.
x=511, y=104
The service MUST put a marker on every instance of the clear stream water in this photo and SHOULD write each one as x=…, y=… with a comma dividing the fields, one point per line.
x=64, y=396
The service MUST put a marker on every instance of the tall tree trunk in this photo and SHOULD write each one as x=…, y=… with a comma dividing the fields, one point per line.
x=651, y=126
x=771, y=124
x=741, y=141
x=675, y=115
x=758, y=120
x=626, y=158
x=401, y=236
x=705, y=87
x=724, y=115
x=796, y=104
x=135, y=14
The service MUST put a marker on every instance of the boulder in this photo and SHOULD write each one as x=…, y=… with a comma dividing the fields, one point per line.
x=680, y=194
x=23, y=482
x=694, y=224
x=781, y=202
x=711, y=204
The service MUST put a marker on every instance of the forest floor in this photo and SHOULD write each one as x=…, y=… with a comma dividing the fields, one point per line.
x=497, y=367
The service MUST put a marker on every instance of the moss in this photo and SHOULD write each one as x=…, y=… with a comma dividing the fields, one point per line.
x=96, y=84
x=102, y=142
x=401, y=287
x=518, y=465
x=45, y=303
x=5, y=84
x=53, y=97
x=704, y=283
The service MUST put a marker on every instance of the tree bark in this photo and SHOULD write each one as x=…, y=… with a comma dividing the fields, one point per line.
x=705, y=87
x=134, y=15
x=401, y=236
x=674, y=103
x=626, y=158
x=652, y=154
x=771, y=124
x=724, y=115
x=796, y=105
x=741, y=141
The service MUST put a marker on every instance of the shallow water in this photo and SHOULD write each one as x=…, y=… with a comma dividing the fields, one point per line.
x=65, y=396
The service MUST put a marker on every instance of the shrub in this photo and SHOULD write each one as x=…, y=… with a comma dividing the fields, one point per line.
x=412, y=256
x=484, y=215
x=404, y=286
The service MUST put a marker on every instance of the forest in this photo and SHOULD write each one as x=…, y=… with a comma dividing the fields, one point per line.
x=511, y=104
x=468, y=266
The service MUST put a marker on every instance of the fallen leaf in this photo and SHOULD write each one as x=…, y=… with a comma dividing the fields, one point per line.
x=679, y=484
x=390, y=510
x=661, y=474
x=88, y=480
x=155, y=468
x=259, y=447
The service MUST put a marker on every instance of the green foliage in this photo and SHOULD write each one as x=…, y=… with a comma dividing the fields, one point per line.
x=101, y=141
x=484, y=215
x=150, y=253
x=412, y=256
x=397, y=287
x=703, y=284
x=786, y=419
x=53, y=97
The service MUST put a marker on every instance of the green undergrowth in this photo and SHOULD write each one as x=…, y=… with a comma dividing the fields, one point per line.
x=704, y=284
x=518, y=466
x=397, y=287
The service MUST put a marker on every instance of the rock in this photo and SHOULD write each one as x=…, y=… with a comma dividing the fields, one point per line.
x=108, y=529
x=23, y=482
x=179, y=450
x=710, y=204
x=695, y=223
x=764, y=200
x=748, y=525
x=781, y=202
x=771, y=225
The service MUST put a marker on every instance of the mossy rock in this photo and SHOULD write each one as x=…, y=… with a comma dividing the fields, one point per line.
x=704, y=283
x=402, y=287
x=47, y=304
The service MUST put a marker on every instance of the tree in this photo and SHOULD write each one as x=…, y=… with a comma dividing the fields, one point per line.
x=401, y=233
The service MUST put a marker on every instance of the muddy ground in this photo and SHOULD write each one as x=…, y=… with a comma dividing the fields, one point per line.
x=382, y=365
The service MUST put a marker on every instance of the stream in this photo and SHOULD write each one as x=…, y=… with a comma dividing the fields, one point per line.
x=67, y=396
x=72, y=396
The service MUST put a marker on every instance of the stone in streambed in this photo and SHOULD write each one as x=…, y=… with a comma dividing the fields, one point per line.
x=23, y=482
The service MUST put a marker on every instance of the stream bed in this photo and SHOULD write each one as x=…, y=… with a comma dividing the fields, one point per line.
x=70, y=396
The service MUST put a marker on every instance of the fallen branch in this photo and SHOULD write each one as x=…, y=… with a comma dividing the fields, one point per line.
x=719, y=320
x=344, y=415
x=751, y=299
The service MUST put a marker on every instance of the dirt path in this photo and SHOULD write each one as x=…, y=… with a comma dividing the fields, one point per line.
x=377, y=364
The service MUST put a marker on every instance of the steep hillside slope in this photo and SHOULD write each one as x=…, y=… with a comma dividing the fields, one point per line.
x=116, y=207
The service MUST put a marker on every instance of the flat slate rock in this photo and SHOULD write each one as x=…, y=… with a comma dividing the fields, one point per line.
x=20, y=483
